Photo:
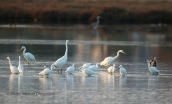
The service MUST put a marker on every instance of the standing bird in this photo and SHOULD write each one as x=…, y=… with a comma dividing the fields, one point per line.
x=96, y=23
x=70, y=69
x=61, y=61
x=20, y=67
x=88, y=71
x=47, y=71
x=109, y=60
x=152, y=69
x=94, y=67
x=86, y=65
x=122, y=70
x=14, y=69
x=28, y=56
x=111, y=69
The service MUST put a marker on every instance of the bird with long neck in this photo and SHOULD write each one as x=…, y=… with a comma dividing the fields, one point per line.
x=28, y=56
x=61, y=61
x=96, y=23
x=152, y=69
x=20, y=67
x=14, y=69
x=47, y=71
x=109, y=60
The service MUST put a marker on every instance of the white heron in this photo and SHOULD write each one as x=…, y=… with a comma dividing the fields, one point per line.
x=88, y=71
x=122, y=70
x=20, y=67
x=61, y=61
x=47, y=71
x=94, y=67
x=86, y=65
x=111, y=69
x=14, y=69
x=152, y=69
x=70, y=69
x=96, y=23
x=28, y=56
x=109, y=60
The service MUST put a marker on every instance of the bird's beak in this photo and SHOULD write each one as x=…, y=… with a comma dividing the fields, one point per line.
x=20, y=50
x=124, y=53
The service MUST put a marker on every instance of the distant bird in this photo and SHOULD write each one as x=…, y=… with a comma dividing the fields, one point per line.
x=14, y=69
x=153, y=63
x=70, y=69
x=47, y=71
x=111, y=69
x=20, y=67
x=96, y=23
x=88, y=71
x=86, y=65
x=61, y=61
x=94, y=67
x=109, y=60
x=152, y=69
x=28, y=56
x=122, y=70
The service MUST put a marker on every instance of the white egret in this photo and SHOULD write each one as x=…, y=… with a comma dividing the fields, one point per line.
x=152, y=69
x=88, y=71
x=86, y=65
x=70, y=69
x=96, y=23
x=94, y=67
x=20, y=67
x=111, y=69
x=28, y=56
x=47, y=71
x=109, y=60
x=14, y=69
x=122, y=70
x=61, y=61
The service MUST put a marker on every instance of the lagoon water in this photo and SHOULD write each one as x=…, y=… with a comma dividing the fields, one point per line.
x=47, y=44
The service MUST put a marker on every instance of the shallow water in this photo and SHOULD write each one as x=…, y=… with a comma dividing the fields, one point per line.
x=140, y=42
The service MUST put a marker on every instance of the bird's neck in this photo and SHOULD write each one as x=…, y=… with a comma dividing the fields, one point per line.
x=116, y=56
x=66, y=52
x=19, y=62
x=10, y=62
x=148, y=64
x=24, y=51
x=52, y=68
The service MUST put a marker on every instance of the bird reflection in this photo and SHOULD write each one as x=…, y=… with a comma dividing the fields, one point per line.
x=88, y=81
x=14, y=82
x=122, y=80
x=46, y=82
x=152, y=78
x=70, y=79
x=95, y=31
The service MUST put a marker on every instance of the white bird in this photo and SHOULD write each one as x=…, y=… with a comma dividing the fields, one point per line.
x=109, y=60
x=94, y=67
x=28, y=56
x=86, y=65
x=153, y=70
x=20, y=67
x=111, y=69
x=61, y=61
x=47, y=71
x=122, y=70
x=70, y=69
x=88, y=71
x=96, y=23
x=14, y=69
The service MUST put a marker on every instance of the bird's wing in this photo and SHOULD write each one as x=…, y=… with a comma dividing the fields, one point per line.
x=107, y=61
x=154, y=69
x=123, y=70
x=89, y=71
x=45, y=71
x=93, y=67
x=69, y=69
x=61, y=61
x=29, y=56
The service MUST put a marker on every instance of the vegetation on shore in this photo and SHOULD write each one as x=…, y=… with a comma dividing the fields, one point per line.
x=86, y=11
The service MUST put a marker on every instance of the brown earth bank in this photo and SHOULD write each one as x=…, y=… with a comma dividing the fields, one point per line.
x=86, y=11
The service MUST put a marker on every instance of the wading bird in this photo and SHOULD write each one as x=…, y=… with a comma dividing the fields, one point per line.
x=47, y=71
x=152, y=69
x=94, y=67
x=28, y=56
x=94, y=25
x=70, y=69
x=20, y=67
x=109, y=60
x=61, y=61
x=86, y=65
x=111, y=69
x=122, y=70
x=88, y=71
x=14, y=69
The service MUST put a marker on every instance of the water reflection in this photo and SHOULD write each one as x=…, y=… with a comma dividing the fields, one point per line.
x=46, y=83
x=122, y=81
x=95, y=31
